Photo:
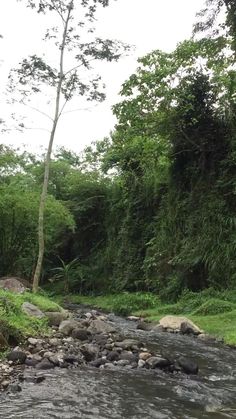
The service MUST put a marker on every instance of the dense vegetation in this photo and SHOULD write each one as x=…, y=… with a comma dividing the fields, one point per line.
x=152, y=207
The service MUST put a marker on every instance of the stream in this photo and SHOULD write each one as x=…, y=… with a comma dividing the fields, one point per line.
x=88, y=392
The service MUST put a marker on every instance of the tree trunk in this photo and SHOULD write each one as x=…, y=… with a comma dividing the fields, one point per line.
x=41, y=244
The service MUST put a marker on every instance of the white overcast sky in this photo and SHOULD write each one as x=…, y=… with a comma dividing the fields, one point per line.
x=147, y=24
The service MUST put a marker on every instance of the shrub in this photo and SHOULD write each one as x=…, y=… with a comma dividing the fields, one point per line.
x=214, y=306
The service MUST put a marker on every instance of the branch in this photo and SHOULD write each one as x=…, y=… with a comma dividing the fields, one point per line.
x=37, y=110
x=78, y=66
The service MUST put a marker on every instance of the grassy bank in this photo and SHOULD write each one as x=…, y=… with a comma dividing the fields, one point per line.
x=212, y=311
x=15, y=323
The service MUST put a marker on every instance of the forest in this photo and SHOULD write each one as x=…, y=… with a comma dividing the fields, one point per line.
x=152, y=206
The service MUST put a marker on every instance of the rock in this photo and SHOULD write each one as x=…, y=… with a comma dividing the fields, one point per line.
x=47, y=354
x=33, y=341
x=12, y=284
x=32, y=310
x=109, y=366
x=90, y=351
x=14, y=388
x=31, y=362
x=56, y=360
x=129, y=344
x=122, y=362
x=55, y=318
x=66, y=326
x=18, y=357
x=113, y=356
x=81, y=334
x=133, y=318
x=174, y=323
x=144, y=356
x=158, y=328
x=99, y=326
x=141, y=363
x=157, y=362
x=188, y=366
x=71, y=359
x=54, y=341
x=39, y=379
x=97, y=362
x=144, y=326
x=45, y=364
x=5, y=383
x=128, y=356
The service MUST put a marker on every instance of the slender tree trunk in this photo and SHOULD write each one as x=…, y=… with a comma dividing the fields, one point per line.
x=41, y=244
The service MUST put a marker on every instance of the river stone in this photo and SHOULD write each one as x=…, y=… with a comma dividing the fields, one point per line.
x=157, y=362
x=97, y=362
x=109, y=366
x=81, y=334
x=133, y=318
x=144, y=326
x=55, y=318
x=99, y=326
x=144, y=356
x=122, y=362
x=31, y=362
x=141, y=363
x=90, y=351
x=32, y=310
x=129, y=344
x=188, y=366
x=128, y=356
x=113, y=356
x=14, y=388
x=174, y=323
x=66, y=326
x=18, y=357
x=45, y=364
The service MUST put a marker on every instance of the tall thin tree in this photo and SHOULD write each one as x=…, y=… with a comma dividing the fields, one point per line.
x=76, y=18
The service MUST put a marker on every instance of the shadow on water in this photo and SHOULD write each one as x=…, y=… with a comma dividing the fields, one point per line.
x=101, y=394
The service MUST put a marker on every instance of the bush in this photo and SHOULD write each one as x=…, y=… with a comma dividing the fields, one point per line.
x=214, y=306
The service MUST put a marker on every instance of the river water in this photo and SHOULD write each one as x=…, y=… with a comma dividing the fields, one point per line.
x=135, y=394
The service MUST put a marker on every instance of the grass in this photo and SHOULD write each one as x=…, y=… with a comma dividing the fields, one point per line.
x=17, y=324
x=213, y=311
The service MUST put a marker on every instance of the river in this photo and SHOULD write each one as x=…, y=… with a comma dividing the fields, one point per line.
x=135, y=394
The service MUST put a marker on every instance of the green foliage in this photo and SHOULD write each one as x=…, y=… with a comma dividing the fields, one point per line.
x=122, y=304
x=214, y=306
x=17, y=325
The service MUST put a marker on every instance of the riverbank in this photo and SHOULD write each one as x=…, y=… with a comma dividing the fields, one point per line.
x=212, y=311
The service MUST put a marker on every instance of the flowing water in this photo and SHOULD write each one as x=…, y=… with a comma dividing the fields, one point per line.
x=135, y=394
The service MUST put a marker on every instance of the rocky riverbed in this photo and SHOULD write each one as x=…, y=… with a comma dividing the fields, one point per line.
x=90, y=338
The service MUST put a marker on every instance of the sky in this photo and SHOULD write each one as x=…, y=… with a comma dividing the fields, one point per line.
x=146, y=24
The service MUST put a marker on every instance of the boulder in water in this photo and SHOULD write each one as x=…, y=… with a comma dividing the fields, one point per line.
x=99, y=326
x=179, y=324
x=188, y=366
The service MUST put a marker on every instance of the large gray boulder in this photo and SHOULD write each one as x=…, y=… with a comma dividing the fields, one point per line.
x=55, y=317
x=12, y=284
x=99, y=326
x=179, y=324
x=66, y=326
x=32, y=310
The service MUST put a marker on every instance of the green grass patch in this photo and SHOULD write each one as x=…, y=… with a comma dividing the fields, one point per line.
x=122, y=304
x=18, y=324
